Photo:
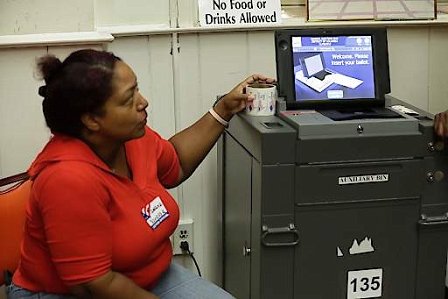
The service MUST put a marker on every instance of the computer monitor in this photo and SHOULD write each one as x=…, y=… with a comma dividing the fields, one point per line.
x=332, y=68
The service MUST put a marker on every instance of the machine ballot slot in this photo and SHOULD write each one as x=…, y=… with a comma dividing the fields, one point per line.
x=422, y=117
x=272, y=124
x=361, y=113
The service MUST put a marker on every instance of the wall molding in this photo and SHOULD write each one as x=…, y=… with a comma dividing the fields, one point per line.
x=107, y=34
x=52, y=39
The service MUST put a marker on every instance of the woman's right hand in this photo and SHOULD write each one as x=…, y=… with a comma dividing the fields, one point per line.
x=236, y=99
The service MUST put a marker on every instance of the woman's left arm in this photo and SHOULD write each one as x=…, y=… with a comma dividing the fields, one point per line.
x=194, y=143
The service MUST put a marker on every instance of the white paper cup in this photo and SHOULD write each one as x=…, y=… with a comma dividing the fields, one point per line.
x=265, y=97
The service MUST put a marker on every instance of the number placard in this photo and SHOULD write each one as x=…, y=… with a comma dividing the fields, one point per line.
x=364, y=284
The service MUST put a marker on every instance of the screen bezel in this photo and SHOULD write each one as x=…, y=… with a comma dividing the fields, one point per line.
x=285, y=67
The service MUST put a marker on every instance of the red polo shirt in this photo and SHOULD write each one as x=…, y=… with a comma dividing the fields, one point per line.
x=83, y=220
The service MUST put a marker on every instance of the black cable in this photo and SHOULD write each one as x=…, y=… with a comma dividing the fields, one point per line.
x=185, y=247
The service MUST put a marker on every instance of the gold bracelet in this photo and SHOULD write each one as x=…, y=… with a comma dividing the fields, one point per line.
x=218, y=118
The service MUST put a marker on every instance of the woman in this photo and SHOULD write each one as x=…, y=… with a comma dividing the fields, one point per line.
x=99, y=217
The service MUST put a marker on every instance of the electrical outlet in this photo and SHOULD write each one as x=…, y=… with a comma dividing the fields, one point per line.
x=183, y=232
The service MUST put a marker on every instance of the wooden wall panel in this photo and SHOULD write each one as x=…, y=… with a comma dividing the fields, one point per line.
x=22, y=127
x=63, y=51
x=438, y=66
x=408, y=59
x=261, y=53
x=211, y=65
x=135, y=12
x=151, y=60
x=49, y=16
x=188, y=13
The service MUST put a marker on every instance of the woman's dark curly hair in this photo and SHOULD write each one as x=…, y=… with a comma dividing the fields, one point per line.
x=80, y=84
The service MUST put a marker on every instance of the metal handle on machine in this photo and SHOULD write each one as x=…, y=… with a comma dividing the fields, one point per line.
x=291, y=229
x=433, y=220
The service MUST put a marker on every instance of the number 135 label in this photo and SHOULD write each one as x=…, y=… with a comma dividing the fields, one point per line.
x=364, y=284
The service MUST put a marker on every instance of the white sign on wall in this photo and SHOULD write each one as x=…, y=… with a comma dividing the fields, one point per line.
x=220, y=13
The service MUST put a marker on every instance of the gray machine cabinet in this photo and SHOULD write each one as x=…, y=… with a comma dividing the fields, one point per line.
x=320, y=273
x=311, y=211
x=250, y=198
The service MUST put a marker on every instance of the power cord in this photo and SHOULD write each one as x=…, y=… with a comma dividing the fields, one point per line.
x=186, y=248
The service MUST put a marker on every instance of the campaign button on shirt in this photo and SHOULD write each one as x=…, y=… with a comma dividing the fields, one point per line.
x=155, y=212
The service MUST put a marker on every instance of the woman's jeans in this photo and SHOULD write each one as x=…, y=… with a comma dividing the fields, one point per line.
x=176, y=283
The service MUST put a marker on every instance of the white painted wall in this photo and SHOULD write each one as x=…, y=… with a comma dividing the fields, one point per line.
x=135, y=12
x=41, y=16
x=22, y=126
x=181, y=74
